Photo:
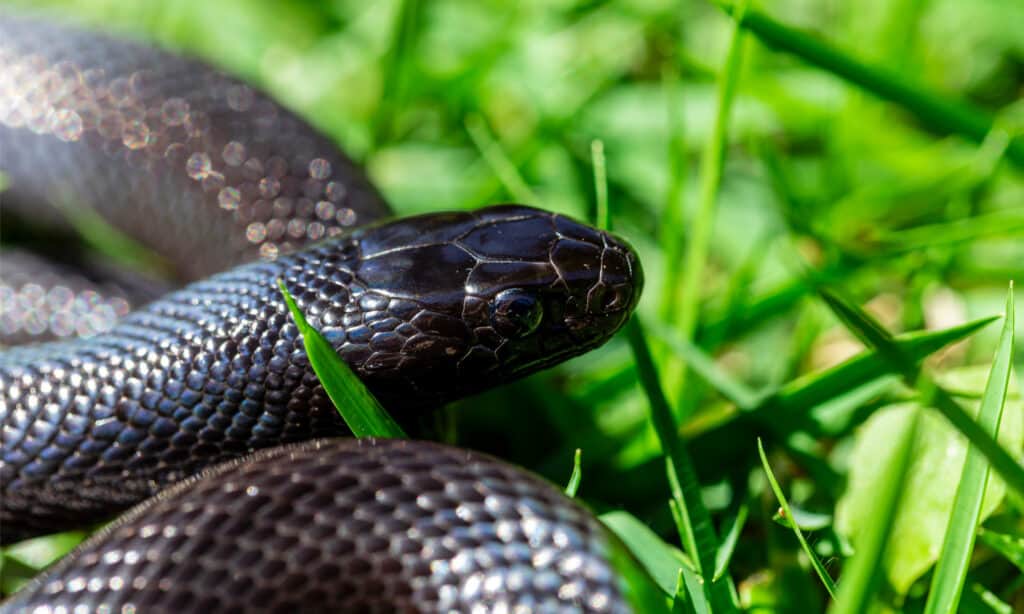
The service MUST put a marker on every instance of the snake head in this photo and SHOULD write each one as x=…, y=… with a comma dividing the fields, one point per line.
x=444, y=305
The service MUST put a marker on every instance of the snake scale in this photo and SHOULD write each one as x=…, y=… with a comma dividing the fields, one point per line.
x=202, y=404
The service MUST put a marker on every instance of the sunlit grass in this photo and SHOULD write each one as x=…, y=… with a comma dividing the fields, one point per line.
x=831, y=150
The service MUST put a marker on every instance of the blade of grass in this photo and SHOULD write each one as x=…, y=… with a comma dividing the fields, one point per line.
x=681, y=604
x=1010, y=546
x=951, y=569
x=862, y=577
x=705, y=368
x=732, y=536
x=407, y=19
x=694, y=522
x=798, y=397
x=357, y=406
x=671, y=240
x=875, y=335
x=108, y=240
x=660, y=560
x=499, y=162
x=818, y=567
x=577, y=474
x=644, y=562
x=600, y=184
x=710, y=179
x=699, y=534
x=806, y=392
x=930, y=108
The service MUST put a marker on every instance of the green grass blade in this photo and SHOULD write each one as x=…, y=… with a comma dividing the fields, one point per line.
x=21, y=562
x=798, y=397
x=818, y=567
x=1010, y=546
x=699, y=533
x=499, y=161
x=951, y=569
x=862, y=577
x=642, y=560
x=681, y=604
x=108, y=240
x=934, y=110
x=865, y=327
x=577, y=474
x=806, y=392
x=704, y=366
x=672, y=241
x=395, y=66
x=600, y=184
x=661, y=560
x=710, y=179
x=360, y=410
x=732, y=536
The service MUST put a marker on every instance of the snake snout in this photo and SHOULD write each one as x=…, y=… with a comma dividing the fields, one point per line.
x=608, y=282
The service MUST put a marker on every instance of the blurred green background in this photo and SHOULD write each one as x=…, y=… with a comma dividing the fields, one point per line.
x=460, y=103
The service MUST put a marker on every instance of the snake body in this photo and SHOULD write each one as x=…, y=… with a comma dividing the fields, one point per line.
x=345, y=526
x=212, y=174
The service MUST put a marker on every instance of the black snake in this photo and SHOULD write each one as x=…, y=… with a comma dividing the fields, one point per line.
x=236, y=192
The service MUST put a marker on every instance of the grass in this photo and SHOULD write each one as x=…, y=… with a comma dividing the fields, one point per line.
x=828, y=214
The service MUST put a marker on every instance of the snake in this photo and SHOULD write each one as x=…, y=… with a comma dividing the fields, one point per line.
x=198, y=411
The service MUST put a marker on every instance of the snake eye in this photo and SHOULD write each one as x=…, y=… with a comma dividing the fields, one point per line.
x=516, y=313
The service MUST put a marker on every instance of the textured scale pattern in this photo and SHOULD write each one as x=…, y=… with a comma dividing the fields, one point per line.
x=195, y=164
x=211, y=174
x=344, y=526
x=41, y=299
x=212, y=371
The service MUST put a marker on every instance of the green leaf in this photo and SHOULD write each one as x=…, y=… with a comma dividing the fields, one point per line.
x=577, y=474
x=865, y=327
x=22, y=561
x=661, y=560
x=938, y=453
x=357, y=406
x=862, y=576
x=818, y=567
x=951, y=570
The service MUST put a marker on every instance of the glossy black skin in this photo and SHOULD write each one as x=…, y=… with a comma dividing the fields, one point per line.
x=424, y=309
x=344, y=526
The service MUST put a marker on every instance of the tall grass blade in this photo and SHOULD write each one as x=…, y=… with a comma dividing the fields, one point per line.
x=704, y=366
x=698, y=534
x=862, y=578
x=499, y=161
x=357, y=406
x=577, y=474
x=951, y=569
x=403, y=39
x=710, y=179
x=670, y=239
x=819, y=568
x=600, y=184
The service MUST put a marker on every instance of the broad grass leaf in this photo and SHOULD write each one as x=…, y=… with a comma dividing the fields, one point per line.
x=937, y=459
